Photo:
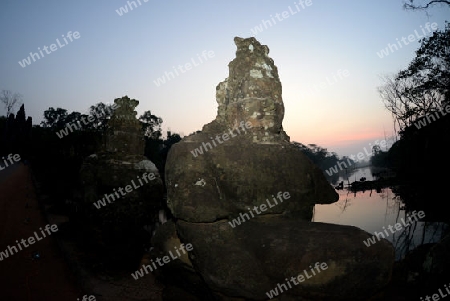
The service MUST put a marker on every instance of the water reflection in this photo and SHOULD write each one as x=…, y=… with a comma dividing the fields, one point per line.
x=372, y=210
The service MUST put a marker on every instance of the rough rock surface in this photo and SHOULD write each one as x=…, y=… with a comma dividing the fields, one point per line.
x=120, y=164
x=238, y=175
x=255, y=162
x=125, y=134
x=122, y=160
x=252, y=92
x=253, y=258
x=244, y=159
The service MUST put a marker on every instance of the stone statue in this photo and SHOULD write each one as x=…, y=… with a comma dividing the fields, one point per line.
x=243, y=196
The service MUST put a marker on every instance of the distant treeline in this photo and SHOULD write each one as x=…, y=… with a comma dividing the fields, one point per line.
x=328, y=162
x=318, y=155
x=418, y=98
x=56, y=161
x=62, y=137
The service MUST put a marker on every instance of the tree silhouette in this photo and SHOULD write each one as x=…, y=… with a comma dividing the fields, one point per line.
x=422, y=88
x=54, y=118
x=16, y=136
x=318, y=155
x=412, y=6
x=10, y=100
x=101, y=113
x=431, y=66
x=151, y=124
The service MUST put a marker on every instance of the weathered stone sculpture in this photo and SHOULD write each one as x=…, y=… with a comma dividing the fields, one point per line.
x=125, y=135
x=115, y=176
x=242, y=167
x=253, y=165
x=252, y=92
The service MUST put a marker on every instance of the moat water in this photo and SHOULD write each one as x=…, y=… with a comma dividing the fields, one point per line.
x=372, y=210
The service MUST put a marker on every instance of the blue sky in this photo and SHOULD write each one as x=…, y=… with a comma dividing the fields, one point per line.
x=326, y=54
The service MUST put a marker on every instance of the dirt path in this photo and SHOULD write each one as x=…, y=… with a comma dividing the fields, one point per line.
x=23, y=278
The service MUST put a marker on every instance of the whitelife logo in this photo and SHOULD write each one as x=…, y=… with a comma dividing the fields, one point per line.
x=31, y=240
x=111, y=198
x=360, y=156
x=166, y=259
x=266, y=24
x=336, y=77
x=53, y=47
x=429, y=118
x=124, y=9
x=411, y=38
x=199, y=150
x=88, y=298
x=436, y=297
x=319, y=267
x=12, y=159
x=398, y=226
x=187, y=66
x=237, y=221
x=74, y=126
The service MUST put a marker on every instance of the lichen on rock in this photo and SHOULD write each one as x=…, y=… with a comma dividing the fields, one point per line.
x=252, y=92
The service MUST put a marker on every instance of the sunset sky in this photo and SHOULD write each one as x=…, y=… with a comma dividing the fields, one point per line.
x=327, y=53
